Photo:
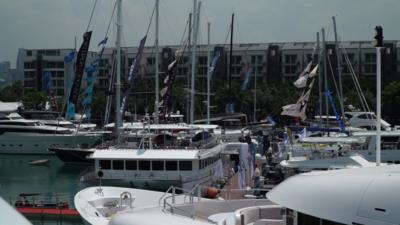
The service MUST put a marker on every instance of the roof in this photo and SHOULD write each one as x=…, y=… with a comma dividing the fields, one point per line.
x=332, y=140
x=366, y=196
x=9, y=106
x=152, y=154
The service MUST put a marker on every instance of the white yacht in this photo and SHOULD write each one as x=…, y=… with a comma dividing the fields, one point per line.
x=21, y=136
x=127, y=206
x=161, y=162
x=367, y=196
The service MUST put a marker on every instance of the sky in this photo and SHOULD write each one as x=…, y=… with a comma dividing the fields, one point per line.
x=41, y=24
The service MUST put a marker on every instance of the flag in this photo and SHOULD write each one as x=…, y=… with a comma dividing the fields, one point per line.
x=290, y=135
x=79, y=68
x=46, y=81
x=303, y=134
x=247, y=78
x=299, y=108
x=103, y=42
x=302, y=80
x=213, y=65
x=69, y=57
x=132, y=73
x=313, y=71
x=285, y=138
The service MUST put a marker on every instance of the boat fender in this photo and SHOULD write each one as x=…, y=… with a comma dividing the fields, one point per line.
x=212, y=192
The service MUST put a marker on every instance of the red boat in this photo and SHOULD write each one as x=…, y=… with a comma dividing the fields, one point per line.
x=43, y=208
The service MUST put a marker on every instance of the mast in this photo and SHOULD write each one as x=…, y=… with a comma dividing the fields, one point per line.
x=188, y=75
x=157, y=72
x=325, y=77
x=208, y=69
x=339, y=69
x=230, y=61
x=379, y=47
x=118, y=115
x=255, y=91
x=196, y=17
x=319, y=81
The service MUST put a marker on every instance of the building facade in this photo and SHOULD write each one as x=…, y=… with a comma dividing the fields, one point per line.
x=271, y=62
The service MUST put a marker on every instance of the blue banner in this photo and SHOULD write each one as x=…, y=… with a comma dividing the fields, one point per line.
x=247, y=78
x=213, y=65
x=46, y=81
x=132, y=73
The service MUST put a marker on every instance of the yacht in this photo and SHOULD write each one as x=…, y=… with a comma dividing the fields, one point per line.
x=128, y=206
x=366, y=196
x=22, y=136
x=160, y=162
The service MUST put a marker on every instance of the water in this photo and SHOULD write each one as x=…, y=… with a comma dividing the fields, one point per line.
x=54, y=180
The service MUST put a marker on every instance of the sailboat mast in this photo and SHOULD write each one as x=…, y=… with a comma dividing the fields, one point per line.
x=325, y=77
x=379, y=47
x=188, y=75
x=319, y=81
x=157, y=71
x=230, y=62
x=196, y=17
x=339, y=69
x=118, y=83
x=208, y=69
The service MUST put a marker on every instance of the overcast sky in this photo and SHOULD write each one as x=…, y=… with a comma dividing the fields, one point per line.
x=34, y=24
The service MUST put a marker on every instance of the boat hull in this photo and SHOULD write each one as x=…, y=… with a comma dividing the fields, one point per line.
x=73, y=156
x=39, y=144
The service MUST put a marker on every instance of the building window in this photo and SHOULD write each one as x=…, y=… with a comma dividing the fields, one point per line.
x=290, y=59
x=236, y=59
x=144, y=165
x=118, y=164
x=105, y=164
x=185, y=165
x=171, y=165
x=370, y=57
x=202, y=60
x=28, y=53
x=151, y=61
x=290, y=69
x=157, y=165
x=131, y=165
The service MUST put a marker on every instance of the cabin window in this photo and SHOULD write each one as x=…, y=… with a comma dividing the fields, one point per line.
x=185, y=165
x=304, y=219
x=131, y=165
x=118, y=165
x=144, y=165
x=105, y=164
x=157, y=165
x=171, y=165
x=327, y=222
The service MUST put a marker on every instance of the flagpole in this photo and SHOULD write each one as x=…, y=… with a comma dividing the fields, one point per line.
x=188, y=75
x=208, y=75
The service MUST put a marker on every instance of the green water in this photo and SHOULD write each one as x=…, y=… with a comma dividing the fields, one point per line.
x=54, y=180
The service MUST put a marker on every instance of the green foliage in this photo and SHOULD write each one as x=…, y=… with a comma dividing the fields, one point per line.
x=12, y=93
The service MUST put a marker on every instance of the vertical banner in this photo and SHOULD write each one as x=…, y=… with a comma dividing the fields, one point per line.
x=132, y=73
x=79, y=67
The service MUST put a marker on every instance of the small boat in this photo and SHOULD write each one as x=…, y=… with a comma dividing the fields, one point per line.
x=31, y=204
x=39, y=162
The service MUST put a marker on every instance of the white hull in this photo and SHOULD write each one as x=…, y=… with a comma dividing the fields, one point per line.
x=387, y=156
x=39, y=143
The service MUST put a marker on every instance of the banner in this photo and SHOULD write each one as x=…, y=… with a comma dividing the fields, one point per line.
x=79, y=67
x=247, y=78
x=132, y=73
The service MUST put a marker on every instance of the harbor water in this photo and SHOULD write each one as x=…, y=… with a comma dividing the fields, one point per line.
x=53, y=180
